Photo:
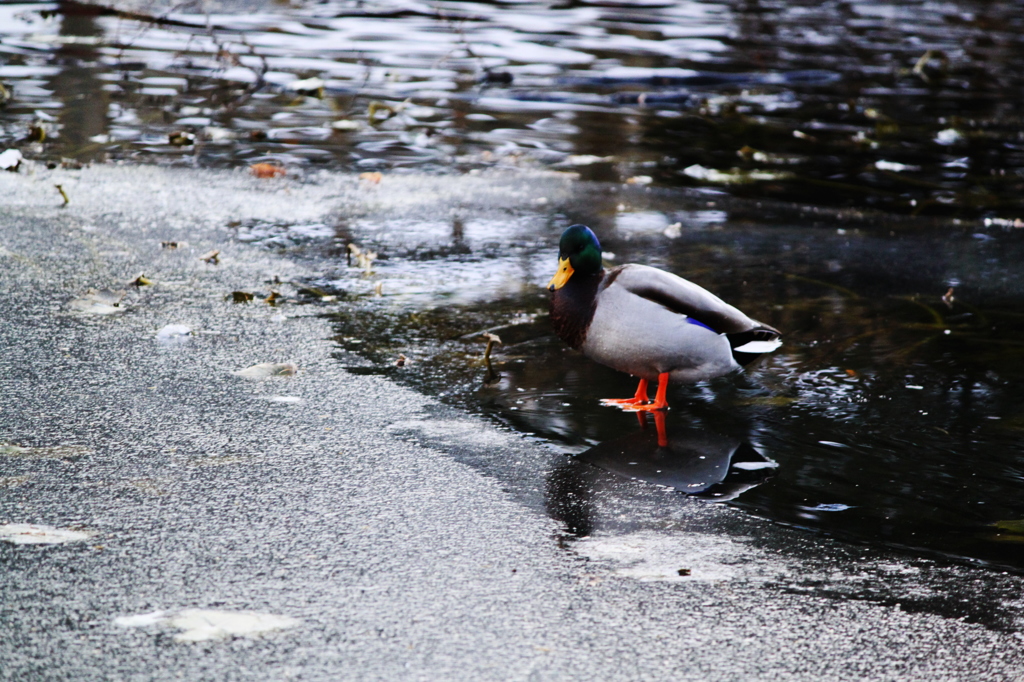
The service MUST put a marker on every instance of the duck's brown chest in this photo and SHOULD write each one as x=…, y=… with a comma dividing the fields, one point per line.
x=572, y=309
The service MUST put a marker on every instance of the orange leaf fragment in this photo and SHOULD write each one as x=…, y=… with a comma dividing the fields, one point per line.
x=375, y=177
x=267, y=170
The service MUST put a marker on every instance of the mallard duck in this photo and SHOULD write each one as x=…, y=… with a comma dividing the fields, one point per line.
x=648, y=322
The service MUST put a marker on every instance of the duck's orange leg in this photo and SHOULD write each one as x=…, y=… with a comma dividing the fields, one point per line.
x=639, y=399
x=660, y=401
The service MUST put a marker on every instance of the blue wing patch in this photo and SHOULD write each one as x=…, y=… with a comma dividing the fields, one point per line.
x=699, y=324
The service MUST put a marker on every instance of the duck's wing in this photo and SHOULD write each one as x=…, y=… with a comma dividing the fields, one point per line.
x=682, y=297
x=747, y=337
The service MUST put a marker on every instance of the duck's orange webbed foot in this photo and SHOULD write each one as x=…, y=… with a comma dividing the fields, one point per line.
x=638, y=399
x=660, y=401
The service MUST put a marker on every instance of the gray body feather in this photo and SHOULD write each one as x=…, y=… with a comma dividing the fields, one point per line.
x=640, y=326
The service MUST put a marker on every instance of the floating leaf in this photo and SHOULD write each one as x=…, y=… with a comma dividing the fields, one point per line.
x=584, y=160
x=174, y=334
x=755, y=466
x=373, y=178
x=32, y=534
x=141, y=620
x=751, y=154
x=10, y=160
x=286, y=399
x=181, y=138
x=886, y=127
x=921, y=67
x=375, y=106
x=827, y=507
x=200, y=625
x=308, y=86
x=496, y=77
x=1016, y=223
x=268, y=369
x=211, y=257
x=346, y=125
x=241, y=296
x=267, y=170
x=1016, y=526
x=102, y=302
x=215, y=134
x=317, y=293
x=894, y=167
x=363, y=258
x=65, y=452
x=734, y=176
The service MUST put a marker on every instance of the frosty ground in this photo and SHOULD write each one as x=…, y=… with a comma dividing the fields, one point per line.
x=342, y=508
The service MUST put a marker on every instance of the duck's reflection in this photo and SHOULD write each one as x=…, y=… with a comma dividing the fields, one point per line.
x=692, y=460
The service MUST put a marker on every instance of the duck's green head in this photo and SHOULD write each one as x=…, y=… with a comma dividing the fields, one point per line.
x=578, y=252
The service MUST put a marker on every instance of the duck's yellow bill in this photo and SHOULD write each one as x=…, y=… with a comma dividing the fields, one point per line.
x=562, y=276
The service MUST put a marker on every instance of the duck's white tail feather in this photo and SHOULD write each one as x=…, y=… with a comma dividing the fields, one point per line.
x=758, y=346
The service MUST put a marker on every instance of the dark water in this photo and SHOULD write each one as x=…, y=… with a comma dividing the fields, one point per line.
x=889, y=416
x=910, y=107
